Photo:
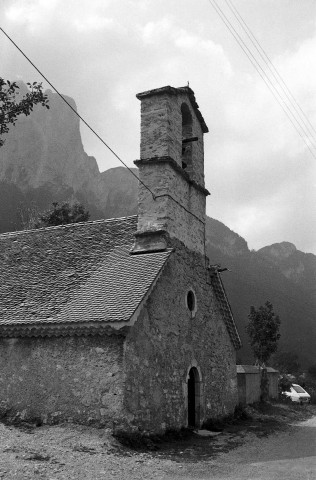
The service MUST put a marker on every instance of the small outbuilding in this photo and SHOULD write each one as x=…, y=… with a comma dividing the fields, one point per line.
x=249, y=379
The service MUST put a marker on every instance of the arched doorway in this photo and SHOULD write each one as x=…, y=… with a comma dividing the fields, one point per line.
x=193, y=398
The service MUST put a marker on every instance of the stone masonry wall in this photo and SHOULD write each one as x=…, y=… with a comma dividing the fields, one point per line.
x=166, y=212
x=160, y=119
x=179, y=203
x=161, y=132
x=166, y=342
x=63, y=378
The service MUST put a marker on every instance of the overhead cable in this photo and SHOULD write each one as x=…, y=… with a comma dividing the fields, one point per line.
x=296, y=124
x=76, y=113
x=276, y=75
x=98, y=136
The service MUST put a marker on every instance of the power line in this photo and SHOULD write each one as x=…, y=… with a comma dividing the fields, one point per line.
x=76, y=113
x=261, y=72
x=180, y=205
x=95, y=133
x=276, y=75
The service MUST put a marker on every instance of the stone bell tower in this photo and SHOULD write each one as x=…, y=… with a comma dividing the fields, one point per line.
x=171, y=165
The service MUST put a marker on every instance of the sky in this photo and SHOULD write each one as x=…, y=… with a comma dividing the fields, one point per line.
x=258, y=168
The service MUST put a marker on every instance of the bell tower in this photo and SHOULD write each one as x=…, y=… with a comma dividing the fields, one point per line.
x=171, y=165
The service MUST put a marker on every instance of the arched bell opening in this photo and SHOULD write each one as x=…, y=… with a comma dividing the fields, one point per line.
x=194, y=398
x=186, y=134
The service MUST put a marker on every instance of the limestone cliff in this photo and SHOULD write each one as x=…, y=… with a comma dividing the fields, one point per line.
x=220, y=237
x=295, y=265
x=45, y=148
x=43, y=160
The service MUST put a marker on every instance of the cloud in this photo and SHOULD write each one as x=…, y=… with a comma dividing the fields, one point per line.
x=262, y=172
x=102, y=52
x=181, y=41
x=38, y=15
x=35, y=14
x=93, y=22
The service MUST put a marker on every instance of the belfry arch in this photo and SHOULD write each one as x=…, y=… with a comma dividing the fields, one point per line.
x=187, y=122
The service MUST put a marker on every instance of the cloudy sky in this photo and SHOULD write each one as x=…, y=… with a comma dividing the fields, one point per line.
x=260, y=172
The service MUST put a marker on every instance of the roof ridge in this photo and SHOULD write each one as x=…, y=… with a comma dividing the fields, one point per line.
x=68, y=225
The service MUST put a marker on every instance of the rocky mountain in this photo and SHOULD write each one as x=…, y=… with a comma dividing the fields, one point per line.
x=118, y=192
x=252, y=280
x=45, y=149
x=221, y=238
x=43, y=160
x=297, y=266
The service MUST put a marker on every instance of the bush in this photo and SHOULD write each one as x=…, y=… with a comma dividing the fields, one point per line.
x=284, y=385
x=241, y=413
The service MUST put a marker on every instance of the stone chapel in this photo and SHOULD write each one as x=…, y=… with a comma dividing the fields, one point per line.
x=124, y=322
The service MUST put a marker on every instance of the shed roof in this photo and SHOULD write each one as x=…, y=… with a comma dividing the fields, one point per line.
x=72, y=275
x=253, y=369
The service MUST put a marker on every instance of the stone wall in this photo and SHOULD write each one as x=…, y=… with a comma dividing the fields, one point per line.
x=137, y=383
x=63, y=378
x=167, y=341
x=173, y=192
x=171, y=170
x=161, y=131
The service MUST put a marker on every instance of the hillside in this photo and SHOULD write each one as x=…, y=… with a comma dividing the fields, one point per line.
x=43, y=161
x=252, y=280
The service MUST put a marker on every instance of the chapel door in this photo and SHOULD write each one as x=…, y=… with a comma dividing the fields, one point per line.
x=193, y=398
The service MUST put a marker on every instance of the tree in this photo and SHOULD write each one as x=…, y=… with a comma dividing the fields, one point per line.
x=62, y=215
x=263, y=330
x=11, y=107
x=284, y=385
x=27, y=216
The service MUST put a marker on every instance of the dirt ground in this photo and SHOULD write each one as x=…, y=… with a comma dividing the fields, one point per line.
x=244, y=449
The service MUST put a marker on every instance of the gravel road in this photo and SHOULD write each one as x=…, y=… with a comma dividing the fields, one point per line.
x=248, y=452
x=285, y=455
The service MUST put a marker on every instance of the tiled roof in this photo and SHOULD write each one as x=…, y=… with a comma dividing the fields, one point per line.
x=80, y=277
x=225, y=309
x=73, y=274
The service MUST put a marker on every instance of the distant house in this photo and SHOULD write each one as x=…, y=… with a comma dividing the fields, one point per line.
x=123, y=322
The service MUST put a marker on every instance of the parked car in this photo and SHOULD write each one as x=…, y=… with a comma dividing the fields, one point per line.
x=298, y=394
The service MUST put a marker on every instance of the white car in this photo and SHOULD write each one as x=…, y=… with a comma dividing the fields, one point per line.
x=298, y=394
